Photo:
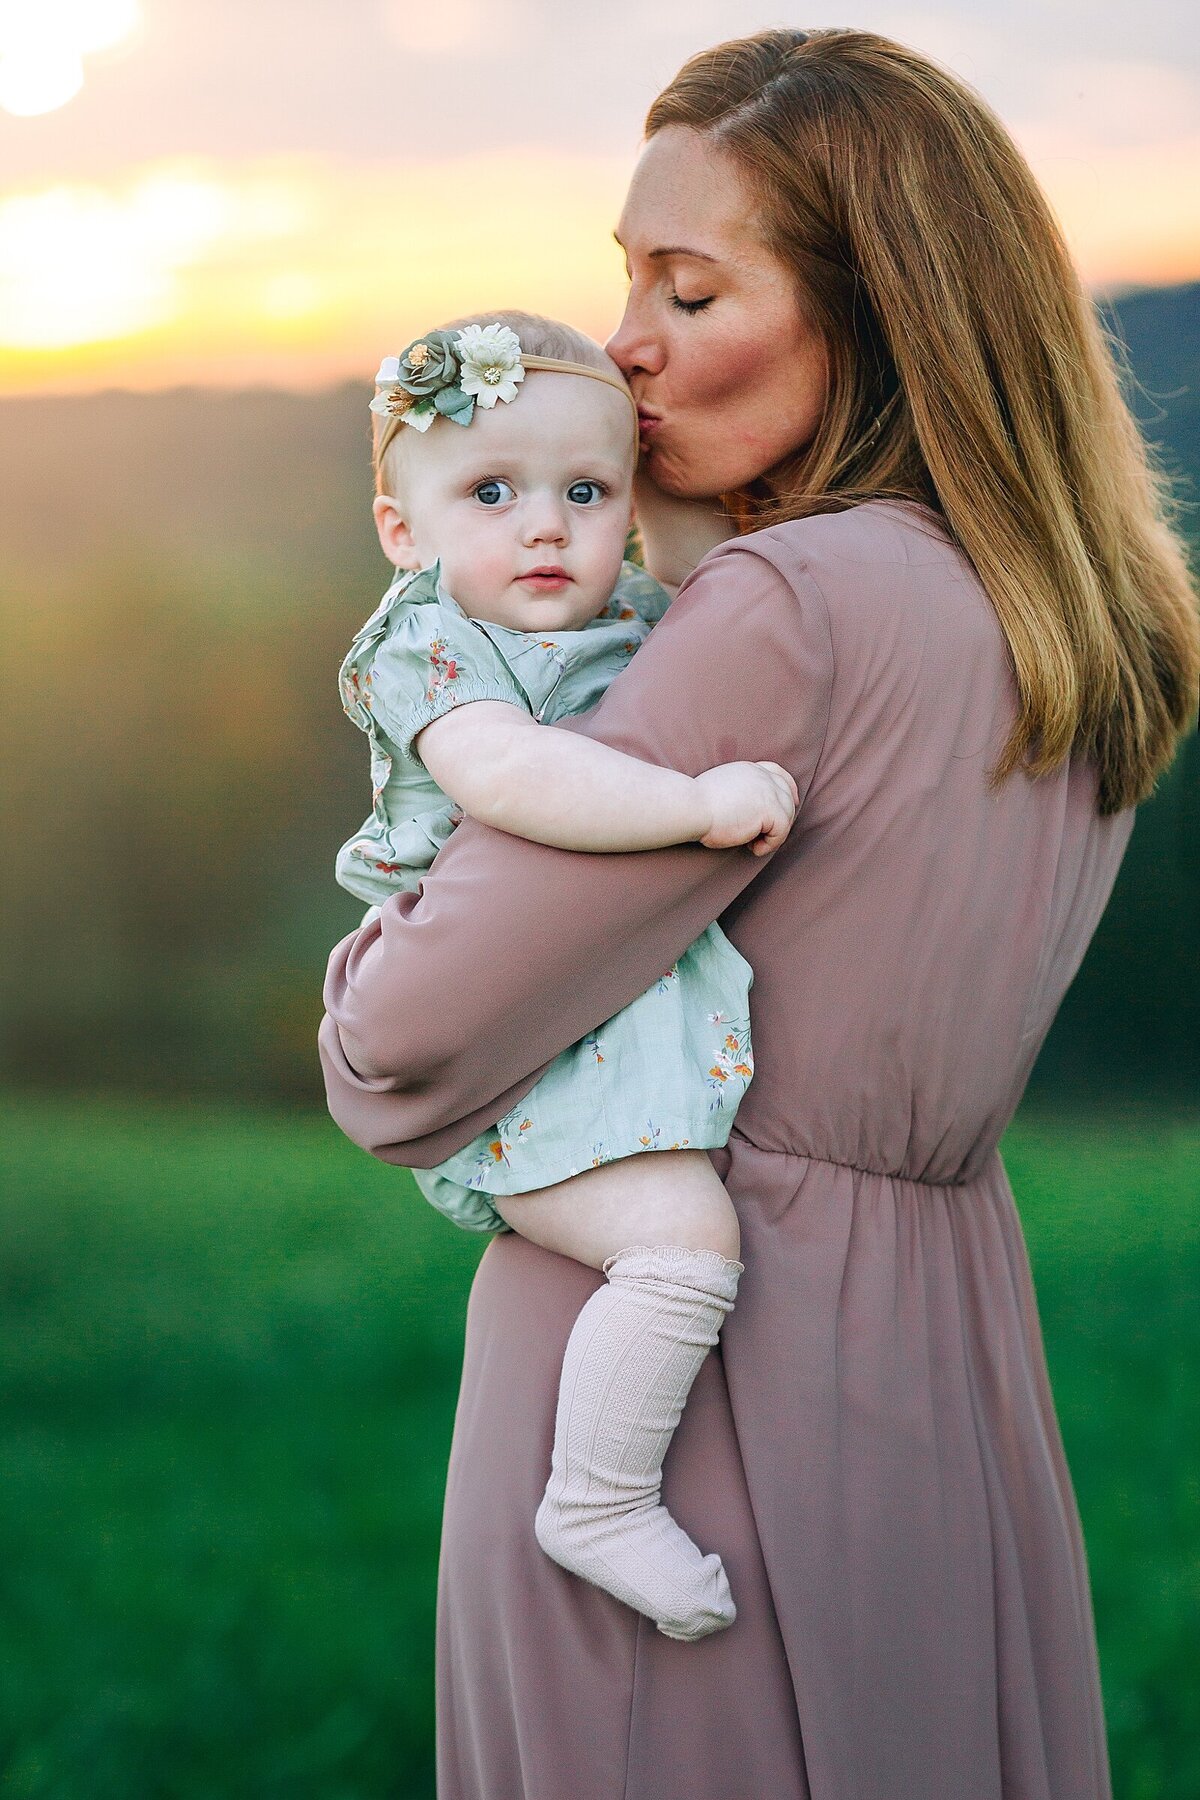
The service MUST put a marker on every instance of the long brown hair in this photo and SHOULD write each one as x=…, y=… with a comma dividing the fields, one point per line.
x=969, y=371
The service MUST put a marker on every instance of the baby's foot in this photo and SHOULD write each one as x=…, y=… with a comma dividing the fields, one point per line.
x=631, y=1358
x=643, y=1558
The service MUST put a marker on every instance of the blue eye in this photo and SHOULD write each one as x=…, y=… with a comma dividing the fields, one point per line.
x=578, y=492
x=488, y=492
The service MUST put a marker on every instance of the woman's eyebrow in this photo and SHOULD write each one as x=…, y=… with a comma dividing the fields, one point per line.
x=676, y=250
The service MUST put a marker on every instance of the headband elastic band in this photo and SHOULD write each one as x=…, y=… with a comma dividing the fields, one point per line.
x=530, y=362
x=574, y=368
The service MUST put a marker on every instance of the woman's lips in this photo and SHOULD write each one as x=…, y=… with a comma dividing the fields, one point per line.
x=648, y=423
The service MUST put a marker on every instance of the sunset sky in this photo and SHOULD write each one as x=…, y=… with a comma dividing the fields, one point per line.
x=282, y=191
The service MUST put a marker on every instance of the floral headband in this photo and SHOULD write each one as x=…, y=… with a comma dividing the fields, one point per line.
x=450, y=373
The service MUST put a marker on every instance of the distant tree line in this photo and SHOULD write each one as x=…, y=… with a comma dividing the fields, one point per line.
x=178, y=773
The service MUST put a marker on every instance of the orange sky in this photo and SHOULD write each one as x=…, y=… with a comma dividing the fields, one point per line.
x=285, y=197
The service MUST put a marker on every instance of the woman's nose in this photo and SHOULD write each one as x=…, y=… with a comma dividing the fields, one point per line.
x=632, y=347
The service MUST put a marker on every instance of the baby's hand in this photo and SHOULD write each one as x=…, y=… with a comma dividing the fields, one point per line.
x=750, y=803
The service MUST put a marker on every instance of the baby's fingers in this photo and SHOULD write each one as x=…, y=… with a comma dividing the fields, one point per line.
x=771, y=836
x=778, y=769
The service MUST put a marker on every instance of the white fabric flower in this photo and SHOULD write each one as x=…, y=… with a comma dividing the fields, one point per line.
x=491, y=363
x=388, y=378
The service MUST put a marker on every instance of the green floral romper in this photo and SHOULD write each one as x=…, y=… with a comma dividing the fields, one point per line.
x=668, y=1070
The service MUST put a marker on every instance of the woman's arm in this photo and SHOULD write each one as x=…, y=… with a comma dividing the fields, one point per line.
x=506, y=770
x=443, y=1011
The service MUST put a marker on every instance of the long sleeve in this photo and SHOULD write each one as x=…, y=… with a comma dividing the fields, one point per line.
x=443, y=1011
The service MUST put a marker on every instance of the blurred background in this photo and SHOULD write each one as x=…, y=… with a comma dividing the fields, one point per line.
x=231, y=1340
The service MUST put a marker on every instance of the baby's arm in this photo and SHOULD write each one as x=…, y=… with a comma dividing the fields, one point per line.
x=576, y=793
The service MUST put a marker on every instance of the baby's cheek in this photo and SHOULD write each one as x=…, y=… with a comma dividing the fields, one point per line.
x=474, y=570
x=599, y=546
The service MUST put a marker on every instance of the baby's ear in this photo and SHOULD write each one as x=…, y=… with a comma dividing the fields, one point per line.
x=395, y=537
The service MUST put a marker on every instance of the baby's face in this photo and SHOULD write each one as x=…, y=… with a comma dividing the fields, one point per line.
x=542, y=483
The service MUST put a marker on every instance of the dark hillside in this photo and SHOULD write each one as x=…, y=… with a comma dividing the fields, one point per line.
x=180, y=574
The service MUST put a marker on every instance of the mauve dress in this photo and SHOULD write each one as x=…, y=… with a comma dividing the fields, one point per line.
x=873, y=1448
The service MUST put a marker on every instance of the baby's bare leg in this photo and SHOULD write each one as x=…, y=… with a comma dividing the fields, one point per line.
x=664, y=1231
x=658, y=1197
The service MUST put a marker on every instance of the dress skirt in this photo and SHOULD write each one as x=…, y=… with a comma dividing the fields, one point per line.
x=873, y=1450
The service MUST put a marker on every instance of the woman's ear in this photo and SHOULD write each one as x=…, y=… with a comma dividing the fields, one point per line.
x=395, y=534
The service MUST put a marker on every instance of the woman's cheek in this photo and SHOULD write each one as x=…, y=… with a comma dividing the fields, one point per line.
x=730, y=408
x=766, y=399
x=726, y=374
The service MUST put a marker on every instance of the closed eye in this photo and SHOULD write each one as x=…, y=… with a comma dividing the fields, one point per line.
x=691, y=306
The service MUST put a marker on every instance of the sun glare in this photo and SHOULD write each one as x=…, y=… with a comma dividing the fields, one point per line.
x=200, y=270
x=299, y=270
x=42, y=48
x=78, y=265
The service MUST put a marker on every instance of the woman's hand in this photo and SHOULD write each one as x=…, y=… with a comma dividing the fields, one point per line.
x=751, y=803
x=676, y=534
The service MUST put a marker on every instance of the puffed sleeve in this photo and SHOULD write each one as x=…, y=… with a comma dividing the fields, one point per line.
x=443, y=1012
x=432, y=658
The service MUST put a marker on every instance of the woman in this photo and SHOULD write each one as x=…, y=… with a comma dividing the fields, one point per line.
x=964, y=627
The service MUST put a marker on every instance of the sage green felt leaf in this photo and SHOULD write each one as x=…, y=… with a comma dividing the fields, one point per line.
x=455, y=404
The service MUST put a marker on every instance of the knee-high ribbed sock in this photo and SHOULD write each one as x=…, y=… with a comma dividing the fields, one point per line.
x=630, y=1361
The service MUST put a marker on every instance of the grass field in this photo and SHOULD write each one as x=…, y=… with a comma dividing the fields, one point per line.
x=230, y=1359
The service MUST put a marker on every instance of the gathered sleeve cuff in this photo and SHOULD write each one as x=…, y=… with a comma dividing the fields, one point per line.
x=433, y=659
x=442, y=1012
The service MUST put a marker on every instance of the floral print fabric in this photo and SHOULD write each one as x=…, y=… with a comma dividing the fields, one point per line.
x=418, y=655
x=664, y=1073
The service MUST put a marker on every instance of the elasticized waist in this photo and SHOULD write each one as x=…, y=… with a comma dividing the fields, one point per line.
x=962, y=1179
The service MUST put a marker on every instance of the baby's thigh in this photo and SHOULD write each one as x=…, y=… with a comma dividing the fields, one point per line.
x=657, y=1197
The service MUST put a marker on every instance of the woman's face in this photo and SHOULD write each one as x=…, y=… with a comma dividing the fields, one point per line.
x=728, y=375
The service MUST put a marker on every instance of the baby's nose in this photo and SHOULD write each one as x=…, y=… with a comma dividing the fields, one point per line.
x=545, y=519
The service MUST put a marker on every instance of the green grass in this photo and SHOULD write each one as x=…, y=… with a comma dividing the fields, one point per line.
x=232, y=1354
x=230, y=1361
x=1112, y=1219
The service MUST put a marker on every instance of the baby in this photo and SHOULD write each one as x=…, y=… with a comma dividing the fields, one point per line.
x=505, y=450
